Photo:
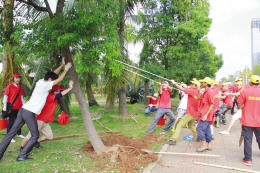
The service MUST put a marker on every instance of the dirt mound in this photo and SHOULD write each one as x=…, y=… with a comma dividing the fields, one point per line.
x=125, y=153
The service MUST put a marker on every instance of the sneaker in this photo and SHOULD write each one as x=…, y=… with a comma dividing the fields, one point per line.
x=248, y=163
x=213, y=136
x=224, y=132
x=171, y=142
x=21, y=136
x=13, y=141
x=202, y=149
x=173, y=129
x=190, y=138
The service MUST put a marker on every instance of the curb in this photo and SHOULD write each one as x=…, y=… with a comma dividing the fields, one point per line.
x=150, y=167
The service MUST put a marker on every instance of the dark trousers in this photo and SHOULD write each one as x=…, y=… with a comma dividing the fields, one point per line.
x=203, y=131
x=234, y=104
x=247, y=133
x=12, y=119
x=24, y=117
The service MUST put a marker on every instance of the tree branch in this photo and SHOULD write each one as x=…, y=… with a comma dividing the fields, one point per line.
x=60, y=6
x=37, y=7
x=48, y=8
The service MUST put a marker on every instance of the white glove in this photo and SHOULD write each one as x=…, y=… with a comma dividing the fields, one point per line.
x=71, y=84
x=173, y=82
x=63, y=61
x=4, y=108
x=150, y=105
x=67, y=66
x=226, y=93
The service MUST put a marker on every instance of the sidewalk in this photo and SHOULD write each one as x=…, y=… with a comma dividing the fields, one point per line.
x=225, y=146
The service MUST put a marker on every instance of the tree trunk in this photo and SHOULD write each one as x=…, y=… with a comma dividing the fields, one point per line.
x=8, y=57
x=122, y=102
x=63, y=106
x=110, y=102
x=91, y=99
x=90, y=128
x=122, y=91
x=146, y=91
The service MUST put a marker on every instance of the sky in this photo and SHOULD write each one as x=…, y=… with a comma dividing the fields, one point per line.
x=231, y=34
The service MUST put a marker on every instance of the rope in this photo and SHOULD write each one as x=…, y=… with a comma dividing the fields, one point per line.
x=146, y=77
x=143, y=70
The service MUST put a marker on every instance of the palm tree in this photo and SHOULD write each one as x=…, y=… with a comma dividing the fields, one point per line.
x=7, y=17
x=66, y=53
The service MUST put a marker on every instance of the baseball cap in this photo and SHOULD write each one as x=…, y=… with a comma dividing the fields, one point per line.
x=17, y=75
x=57, y=87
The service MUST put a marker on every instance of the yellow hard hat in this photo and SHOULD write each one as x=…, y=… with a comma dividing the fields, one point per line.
x=224, y=84
x=238, y=79
x=196, y=82
x=215, y=82
x=207, y=80
x=239, y=83
x=255, y=79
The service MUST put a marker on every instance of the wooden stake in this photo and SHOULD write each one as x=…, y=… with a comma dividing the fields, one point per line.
x=102, y=125
x=78, y=135
x=183, y=154
x=226, y=167
x=133, y=117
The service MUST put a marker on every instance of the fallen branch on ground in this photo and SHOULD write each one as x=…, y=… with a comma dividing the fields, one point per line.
x=133, y=117
x=183, y=154
x=226, y=167
x=78, y=135
x=102, y=125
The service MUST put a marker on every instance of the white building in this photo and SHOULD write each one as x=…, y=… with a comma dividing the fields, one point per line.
x=255, y=41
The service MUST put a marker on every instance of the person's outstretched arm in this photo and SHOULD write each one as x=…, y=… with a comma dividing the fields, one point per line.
x=177, y=85
x=63, y=93
x=57, y=70
x=61, y=77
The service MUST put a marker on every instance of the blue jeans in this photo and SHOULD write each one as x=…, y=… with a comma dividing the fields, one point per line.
x=203, y=130
x=159, y=114
x=150, y=109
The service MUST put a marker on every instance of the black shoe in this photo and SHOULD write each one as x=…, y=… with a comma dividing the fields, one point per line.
x=21, y=148
x=171, y=142
x=37, y=145
x=22, y=159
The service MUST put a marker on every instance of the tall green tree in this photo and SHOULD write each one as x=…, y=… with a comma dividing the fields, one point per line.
x=174, y=37
x=7, y=42
x=66, y=32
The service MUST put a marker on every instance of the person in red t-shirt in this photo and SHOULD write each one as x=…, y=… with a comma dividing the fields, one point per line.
x=235, y=116
x=216, y=91
x=10, y=94
x=205, y=116
x=152, y=105
x=48, y=112
x=164, y=107
x=191, y=111
x=227, y=104
x=249, y=100
x=234, y=89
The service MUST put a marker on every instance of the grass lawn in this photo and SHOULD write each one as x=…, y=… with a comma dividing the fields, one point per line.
x=66, y=155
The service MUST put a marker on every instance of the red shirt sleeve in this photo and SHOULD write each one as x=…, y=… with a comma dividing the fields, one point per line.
x=210, y=97
x=189, y=92
x=241, y=98
x=7, y=90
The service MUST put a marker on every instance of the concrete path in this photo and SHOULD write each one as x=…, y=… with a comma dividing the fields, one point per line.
x=226, y=146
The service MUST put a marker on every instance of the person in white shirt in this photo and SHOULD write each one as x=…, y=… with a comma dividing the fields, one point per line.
x=181, y=110
x=26, y=114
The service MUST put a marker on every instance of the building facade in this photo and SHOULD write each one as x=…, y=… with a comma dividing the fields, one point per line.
x=255, y=41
